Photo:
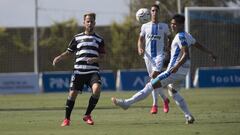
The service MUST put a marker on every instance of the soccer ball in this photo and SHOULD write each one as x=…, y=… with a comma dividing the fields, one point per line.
x=143, y=15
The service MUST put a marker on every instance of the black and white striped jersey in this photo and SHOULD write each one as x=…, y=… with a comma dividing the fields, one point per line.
x=86, y=46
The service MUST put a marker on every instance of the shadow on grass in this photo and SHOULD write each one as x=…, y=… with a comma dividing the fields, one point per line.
x=62, y=108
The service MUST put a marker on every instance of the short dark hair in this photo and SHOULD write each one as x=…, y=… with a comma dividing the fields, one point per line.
x=93, y=15
x=155, y=5
x=179, y=18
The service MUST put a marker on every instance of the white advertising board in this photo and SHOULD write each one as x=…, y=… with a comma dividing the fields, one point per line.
x=11, y=83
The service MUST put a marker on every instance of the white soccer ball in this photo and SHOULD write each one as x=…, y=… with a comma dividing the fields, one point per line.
x=143, y=15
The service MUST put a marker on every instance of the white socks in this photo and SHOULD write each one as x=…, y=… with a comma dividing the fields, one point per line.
x=155, y=95
x=140, y=95
x=181, y=103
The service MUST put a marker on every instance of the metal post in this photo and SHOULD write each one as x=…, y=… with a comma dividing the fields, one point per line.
x=187, y=29
x=179, y=6
x=36, y=70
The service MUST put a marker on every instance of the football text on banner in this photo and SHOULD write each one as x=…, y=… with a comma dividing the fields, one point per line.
x=13, y=83
x=217, y=77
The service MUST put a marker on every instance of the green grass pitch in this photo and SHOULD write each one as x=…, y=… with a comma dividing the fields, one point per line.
x=217, y=112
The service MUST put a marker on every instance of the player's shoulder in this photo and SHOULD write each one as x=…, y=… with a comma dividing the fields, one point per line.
x=148, y=24
x=163, y=24
x=98, y=36
x=185, y=35
x=181, y=35
x=79, y=34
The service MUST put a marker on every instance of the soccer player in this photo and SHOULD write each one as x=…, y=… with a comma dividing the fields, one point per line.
x=151, y=42
x=175, y=73
x=88, y=48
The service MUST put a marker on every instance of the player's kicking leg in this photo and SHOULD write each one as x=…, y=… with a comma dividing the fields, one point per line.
x=126, y=103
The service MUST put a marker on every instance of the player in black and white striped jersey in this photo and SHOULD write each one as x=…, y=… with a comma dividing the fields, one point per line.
x=88, y=48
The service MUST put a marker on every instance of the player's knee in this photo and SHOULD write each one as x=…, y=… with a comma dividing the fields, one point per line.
x=171, y=91
x=72, y=98
x=72, y=95
x=96, y=90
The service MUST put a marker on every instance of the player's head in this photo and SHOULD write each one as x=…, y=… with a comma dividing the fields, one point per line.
x=177, y=23
x=89, y=21
x=154, y=12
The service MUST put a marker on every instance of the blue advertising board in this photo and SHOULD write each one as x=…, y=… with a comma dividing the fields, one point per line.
x=59, y=81
x=132, y=79
x=56, y=81
x=219, y=77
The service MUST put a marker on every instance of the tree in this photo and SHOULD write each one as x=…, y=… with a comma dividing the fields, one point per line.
x=59, y=35
x=124, y=45
x=53, y=41
x=3, y=36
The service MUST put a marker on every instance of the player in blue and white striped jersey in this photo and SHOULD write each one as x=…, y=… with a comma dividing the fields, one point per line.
x=88, y=48
x=151, y=44
x=176, y=72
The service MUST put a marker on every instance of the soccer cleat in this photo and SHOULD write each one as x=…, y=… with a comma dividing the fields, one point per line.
x=66, y=122
x=88, y=119
x=189, y=119
x=154, y=109
x=120, y=102
x=165, y=105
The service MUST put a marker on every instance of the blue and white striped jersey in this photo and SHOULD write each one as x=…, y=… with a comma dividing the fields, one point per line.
x=154, y=34
x=86, y=46
x=180, y=39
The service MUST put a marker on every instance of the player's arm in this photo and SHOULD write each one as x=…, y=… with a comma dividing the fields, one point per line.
x=95, y=59
x=183, y=59
x=204, y=49
x=60, y=57
x=140, y=45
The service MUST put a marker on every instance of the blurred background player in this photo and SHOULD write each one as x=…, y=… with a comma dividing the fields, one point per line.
x=153, y=35
x=175, y=74
x=88, y=48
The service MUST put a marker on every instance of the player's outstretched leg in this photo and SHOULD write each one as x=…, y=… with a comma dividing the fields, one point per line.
x=120, y=102
x=189, y=119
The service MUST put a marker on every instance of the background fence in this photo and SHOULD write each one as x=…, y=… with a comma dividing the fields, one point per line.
x=217, y=29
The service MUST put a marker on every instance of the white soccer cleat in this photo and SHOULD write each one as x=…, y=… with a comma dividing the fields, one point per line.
x=120, y=102
x=189, y=119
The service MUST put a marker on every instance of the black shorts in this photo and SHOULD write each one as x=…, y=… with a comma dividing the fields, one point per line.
x=79, y=80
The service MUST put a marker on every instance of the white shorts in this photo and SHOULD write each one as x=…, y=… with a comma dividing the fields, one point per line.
x=173, y=80
x=154, y=67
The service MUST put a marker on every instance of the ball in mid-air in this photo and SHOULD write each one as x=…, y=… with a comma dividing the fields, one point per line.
x=143, y=15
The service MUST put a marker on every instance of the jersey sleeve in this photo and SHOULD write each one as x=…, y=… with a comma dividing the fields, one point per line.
x=102, y=47
x=142, y=32
x=182, y=40
x=167, y=30
x=72, y=45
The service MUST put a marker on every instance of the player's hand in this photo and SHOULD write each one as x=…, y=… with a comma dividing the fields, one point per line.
x=174, y=69
x=56, y=60
x=91, y=60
